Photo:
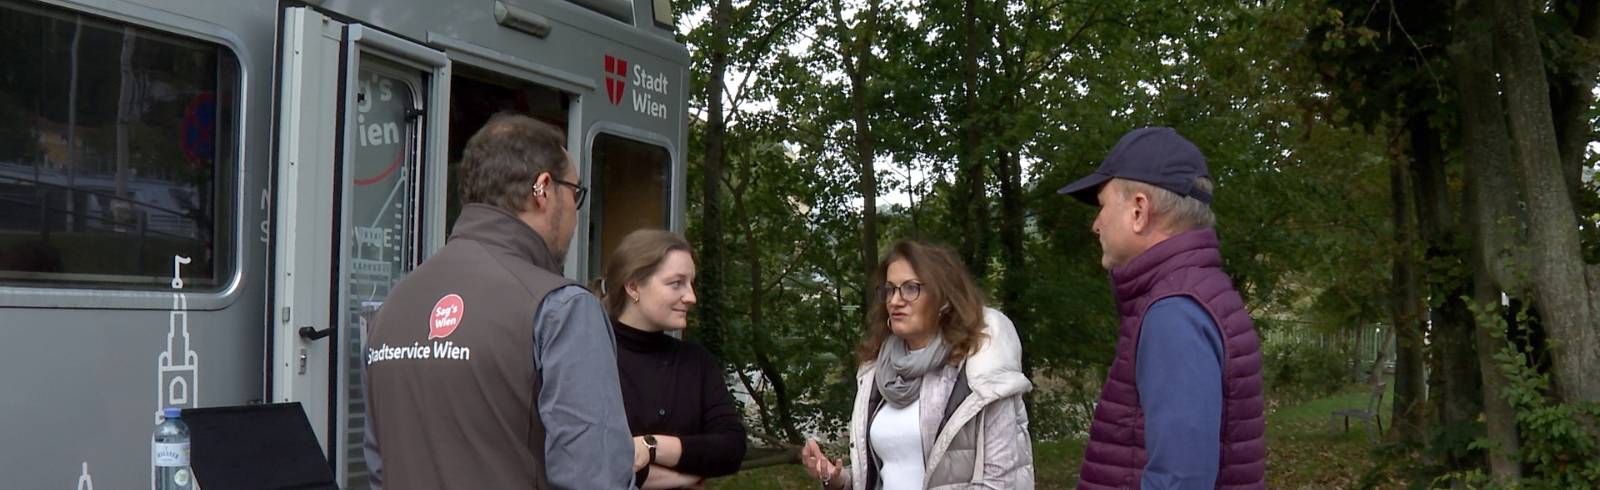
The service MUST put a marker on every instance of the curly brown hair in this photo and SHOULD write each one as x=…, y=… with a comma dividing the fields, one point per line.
x=945, y=281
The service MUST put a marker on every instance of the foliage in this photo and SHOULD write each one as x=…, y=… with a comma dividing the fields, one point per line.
x=1299, y=106
x=1064, y=407
x=1558, y=442
x=1297, y=369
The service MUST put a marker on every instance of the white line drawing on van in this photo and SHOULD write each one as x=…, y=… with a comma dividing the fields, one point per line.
x=177, y=382
x=85, y=482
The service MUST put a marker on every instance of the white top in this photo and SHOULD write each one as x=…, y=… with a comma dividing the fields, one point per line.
x=897, y=439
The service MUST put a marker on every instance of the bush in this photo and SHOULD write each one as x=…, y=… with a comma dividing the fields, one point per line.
x=1064, y=407
x=1558, y=442
x=1302, y=369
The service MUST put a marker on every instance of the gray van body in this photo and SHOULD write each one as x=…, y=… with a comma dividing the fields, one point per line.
x=88, y=368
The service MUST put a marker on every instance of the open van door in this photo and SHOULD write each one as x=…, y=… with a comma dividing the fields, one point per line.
x=359, y=168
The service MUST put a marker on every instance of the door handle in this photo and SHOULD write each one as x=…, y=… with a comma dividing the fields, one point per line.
x=311, y=333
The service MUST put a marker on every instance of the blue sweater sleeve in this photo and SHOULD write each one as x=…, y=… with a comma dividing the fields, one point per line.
x=1179, y=372
x=586, y=438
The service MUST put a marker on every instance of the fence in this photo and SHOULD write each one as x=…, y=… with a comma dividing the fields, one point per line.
x=1361, y=344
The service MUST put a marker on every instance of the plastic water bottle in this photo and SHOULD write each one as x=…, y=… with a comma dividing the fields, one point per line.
x=169, y=452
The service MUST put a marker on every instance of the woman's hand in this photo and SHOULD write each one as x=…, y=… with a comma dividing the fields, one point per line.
x=662, y=477
x=820, y=467
x=641, y=454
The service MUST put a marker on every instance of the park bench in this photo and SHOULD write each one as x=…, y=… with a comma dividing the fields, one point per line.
x=1370, y=415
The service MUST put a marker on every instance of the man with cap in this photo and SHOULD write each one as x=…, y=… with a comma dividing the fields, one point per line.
x=1181, y=407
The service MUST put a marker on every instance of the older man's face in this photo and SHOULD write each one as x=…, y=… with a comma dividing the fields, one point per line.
x=1114, y=225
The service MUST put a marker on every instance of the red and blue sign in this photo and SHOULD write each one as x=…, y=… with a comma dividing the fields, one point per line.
x=198, y=140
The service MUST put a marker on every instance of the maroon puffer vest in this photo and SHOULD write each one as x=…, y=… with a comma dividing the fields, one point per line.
x=1188, y=264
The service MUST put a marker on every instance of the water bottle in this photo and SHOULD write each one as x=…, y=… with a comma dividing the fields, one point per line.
x=169, y=452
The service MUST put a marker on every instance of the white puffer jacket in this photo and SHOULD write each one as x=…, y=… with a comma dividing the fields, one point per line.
x=985, y=444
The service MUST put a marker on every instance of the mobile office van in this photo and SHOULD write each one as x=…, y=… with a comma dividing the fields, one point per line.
x=201, y=199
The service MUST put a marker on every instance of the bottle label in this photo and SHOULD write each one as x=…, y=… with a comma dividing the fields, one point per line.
x=170, y=454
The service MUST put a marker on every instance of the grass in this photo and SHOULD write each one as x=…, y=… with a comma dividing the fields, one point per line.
x=1305, y=450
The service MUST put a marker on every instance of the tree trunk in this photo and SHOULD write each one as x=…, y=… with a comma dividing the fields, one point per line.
x=865, y=155
x=1012, y=241
x=758, y=457
x=763, y=412
x=74, y=150
x=970, y=202
x=1375, y=375
x=122, y=208
x=1572, y=91
x=1410, y=397
x=1562, y=294
x=1460, y=394
x=1490, y=204
x=760, y=334
x=712, y=311
x=1500, y=420
x=1008, y=170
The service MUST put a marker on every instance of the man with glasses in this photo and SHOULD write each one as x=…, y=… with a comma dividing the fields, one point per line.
x=486, y=368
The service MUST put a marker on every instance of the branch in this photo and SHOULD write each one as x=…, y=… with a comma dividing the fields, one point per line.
x=761, y=409
x=1055, y=56
x=1422, y=59
x=761, y=457
x=793, y=16
x=760, y=44
x=787, y=268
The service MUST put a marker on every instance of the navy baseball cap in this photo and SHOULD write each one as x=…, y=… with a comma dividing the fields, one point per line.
x=1157, y=156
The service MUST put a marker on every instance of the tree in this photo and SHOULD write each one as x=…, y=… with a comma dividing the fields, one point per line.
x=1491, y=204
x=1564, y=287
x=856, y=45
x=1409, y=321
x=712, y=312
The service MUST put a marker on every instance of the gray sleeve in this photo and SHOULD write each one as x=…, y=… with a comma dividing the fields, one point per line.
x=587, y=444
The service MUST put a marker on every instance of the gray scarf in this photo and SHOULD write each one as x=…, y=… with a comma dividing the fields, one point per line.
x=899, y=371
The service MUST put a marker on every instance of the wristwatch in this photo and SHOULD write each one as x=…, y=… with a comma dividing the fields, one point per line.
x=650, y=443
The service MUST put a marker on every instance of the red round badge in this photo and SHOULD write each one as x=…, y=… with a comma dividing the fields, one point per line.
x=446, y=316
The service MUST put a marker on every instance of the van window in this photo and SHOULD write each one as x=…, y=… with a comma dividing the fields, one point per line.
x=476, y=96
x=632, y=190
x=112, y=141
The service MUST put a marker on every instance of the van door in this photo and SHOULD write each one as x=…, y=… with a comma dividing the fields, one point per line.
x=359, y=167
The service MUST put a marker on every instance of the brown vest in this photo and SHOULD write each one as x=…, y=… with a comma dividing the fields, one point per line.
x=452, y=386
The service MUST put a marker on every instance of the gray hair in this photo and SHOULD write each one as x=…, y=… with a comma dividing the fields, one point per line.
x=1181, y=213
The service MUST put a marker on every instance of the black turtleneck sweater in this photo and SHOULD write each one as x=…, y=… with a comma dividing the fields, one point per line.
x=676, y=388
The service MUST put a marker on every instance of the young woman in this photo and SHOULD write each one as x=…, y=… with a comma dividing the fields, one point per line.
x=678, y=406
x=939, y=391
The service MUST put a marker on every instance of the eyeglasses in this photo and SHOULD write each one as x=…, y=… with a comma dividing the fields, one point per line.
x=579, y=191
x=908, y=290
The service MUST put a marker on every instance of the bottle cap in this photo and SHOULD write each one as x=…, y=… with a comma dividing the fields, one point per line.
x=172, y=412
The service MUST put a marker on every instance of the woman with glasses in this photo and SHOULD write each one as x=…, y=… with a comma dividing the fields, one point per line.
x=683, y=420
x=939, y=391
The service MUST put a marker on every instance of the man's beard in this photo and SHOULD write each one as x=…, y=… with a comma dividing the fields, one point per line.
x=558, y=248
